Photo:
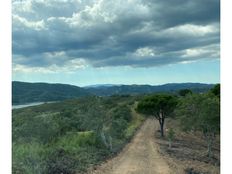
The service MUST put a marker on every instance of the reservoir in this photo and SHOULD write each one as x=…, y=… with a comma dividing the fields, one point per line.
x=28, y=104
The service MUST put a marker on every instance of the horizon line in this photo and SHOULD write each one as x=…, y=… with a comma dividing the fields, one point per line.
x=118, y=84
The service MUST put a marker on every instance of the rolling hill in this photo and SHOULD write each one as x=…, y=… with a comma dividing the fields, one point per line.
x=24, y=92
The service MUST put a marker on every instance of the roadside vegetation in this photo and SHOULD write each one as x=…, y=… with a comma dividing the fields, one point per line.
x=71, y=136
x=192, y=128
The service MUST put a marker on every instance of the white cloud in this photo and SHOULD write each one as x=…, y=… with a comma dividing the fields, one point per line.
x=69, y=67
x=36, y=25
x=192, y=30
x=145, y=52
x=22, y=6
x=209, y=51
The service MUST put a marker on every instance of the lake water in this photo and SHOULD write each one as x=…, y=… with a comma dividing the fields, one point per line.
x=28, y=104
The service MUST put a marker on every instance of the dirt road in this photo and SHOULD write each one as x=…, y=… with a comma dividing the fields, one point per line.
x=141, y=156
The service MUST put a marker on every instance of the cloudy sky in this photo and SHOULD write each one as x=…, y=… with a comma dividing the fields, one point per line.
x=84, y=42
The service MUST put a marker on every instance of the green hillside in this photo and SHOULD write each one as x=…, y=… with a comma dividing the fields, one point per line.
x=71, y=136
x=23, y=92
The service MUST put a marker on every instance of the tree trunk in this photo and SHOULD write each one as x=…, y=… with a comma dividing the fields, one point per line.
x=103, y=137
x=161, y=118
x=209, y=151
x=110, y=143
x=161, y=122
x=162, y=128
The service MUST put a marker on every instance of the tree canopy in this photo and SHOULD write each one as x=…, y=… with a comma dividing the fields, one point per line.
x=216, y=90
x=160, y=106
x=184, y=92
x=199, y=111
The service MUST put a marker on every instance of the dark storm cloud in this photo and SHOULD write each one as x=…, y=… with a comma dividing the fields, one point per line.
x=137, y=33
x=178, y=12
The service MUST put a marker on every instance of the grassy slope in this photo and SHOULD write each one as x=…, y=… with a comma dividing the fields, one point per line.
x=73, y=135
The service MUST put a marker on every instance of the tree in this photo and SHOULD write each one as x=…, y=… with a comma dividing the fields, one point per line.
x=201, y=112
x=160, y=106
x=184, y=92
x=216, y=90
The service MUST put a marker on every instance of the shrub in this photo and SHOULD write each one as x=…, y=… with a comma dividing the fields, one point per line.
x=118, y=128
x=74, y=140
x=171, y=135
x=29, y=158
x=122, y=112
x=59, y=161
x=42, y=127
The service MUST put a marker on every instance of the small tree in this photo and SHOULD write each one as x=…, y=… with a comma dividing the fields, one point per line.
x=171, y=135
x=160, y=106
x=201, y=112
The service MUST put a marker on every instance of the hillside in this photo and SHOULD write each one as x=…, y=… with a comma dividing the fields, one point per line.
x=71, y=136
x=23, y=92
x=146, y=89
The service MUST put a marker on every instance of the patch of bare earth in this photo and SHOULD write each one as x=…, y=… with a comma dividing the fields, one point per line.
x=140, y=156
x=188, y=154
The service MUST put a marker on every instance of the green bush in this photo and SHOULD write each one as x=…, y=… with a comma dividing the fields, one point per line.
x=118, y=128
x=122, y=112
x=42, y=127
x=171, y=134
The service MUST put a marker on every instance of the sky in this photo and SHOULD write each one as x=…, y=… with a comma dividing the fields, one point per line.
x=85, y=42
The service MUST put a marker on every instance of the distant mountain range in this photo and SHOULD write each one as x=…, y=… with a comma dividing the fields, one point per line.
x=24, y=92
x=146, y=89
